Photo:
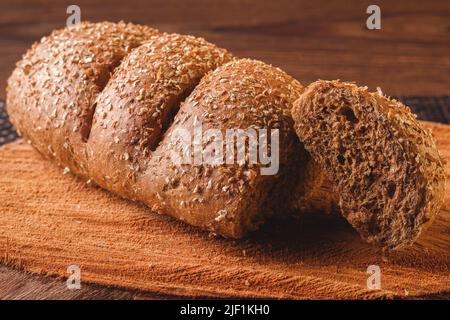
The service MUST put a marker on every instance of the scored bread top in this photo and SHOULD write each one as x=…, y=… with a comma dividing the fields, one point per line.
x=51, y=92
x=386, y=167
x=139, y=103
x=98, y=99
x=227, y=199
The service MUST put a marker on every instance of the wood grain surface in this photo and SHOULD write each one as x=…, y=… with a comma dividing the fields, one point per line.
x=49, y=221
x=308, y=39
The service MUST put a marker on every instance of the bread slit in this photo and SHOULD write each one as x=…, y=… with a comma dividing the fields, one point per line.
x=101, y=83
x=139, y=104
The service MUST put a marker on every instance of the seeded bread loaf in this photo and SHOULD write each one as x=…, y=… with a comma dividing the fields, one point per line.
x=104, y=101
x=108, y=101
x=385, y=166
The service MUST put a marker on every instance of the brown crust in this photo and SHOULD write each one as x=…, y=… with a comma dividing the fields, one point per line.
x=52, y=91
x=139, y=103
x=111, y=130
x=226, y=199
x=385, y=165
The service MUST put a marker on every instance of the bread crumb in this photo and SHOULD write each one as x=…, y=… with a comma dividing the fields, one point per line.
x=221, y=214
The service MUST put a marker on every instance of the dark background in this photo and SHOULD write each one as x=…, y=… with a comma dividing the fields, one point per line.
x=409, y=56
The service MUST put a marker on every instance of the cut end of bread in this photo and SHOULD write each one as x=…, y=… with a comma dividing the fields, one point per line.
x=384, y=164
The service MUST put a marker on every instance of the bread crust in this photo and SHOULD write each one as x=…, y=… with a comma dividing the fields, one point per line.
x=138, y=105
x=51, y=93
x=99, y=100
x=385, y=166
x=226, y=199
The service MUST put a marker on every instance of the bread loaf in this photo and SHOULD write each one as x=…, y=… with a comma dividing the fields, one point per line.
x=104, y=101
x=120, y=104
x=386, y=168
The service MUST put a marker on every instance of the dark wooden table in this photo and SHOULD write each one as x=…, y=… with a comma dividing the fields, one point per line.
x=410, y=55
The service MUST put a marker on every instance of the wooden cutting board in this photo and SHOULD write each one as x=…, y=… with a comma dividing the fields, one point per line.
x=49, y=221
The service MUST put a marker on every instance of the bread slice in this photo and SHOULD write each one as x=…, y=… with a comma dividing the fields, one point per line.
x=384, y=165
